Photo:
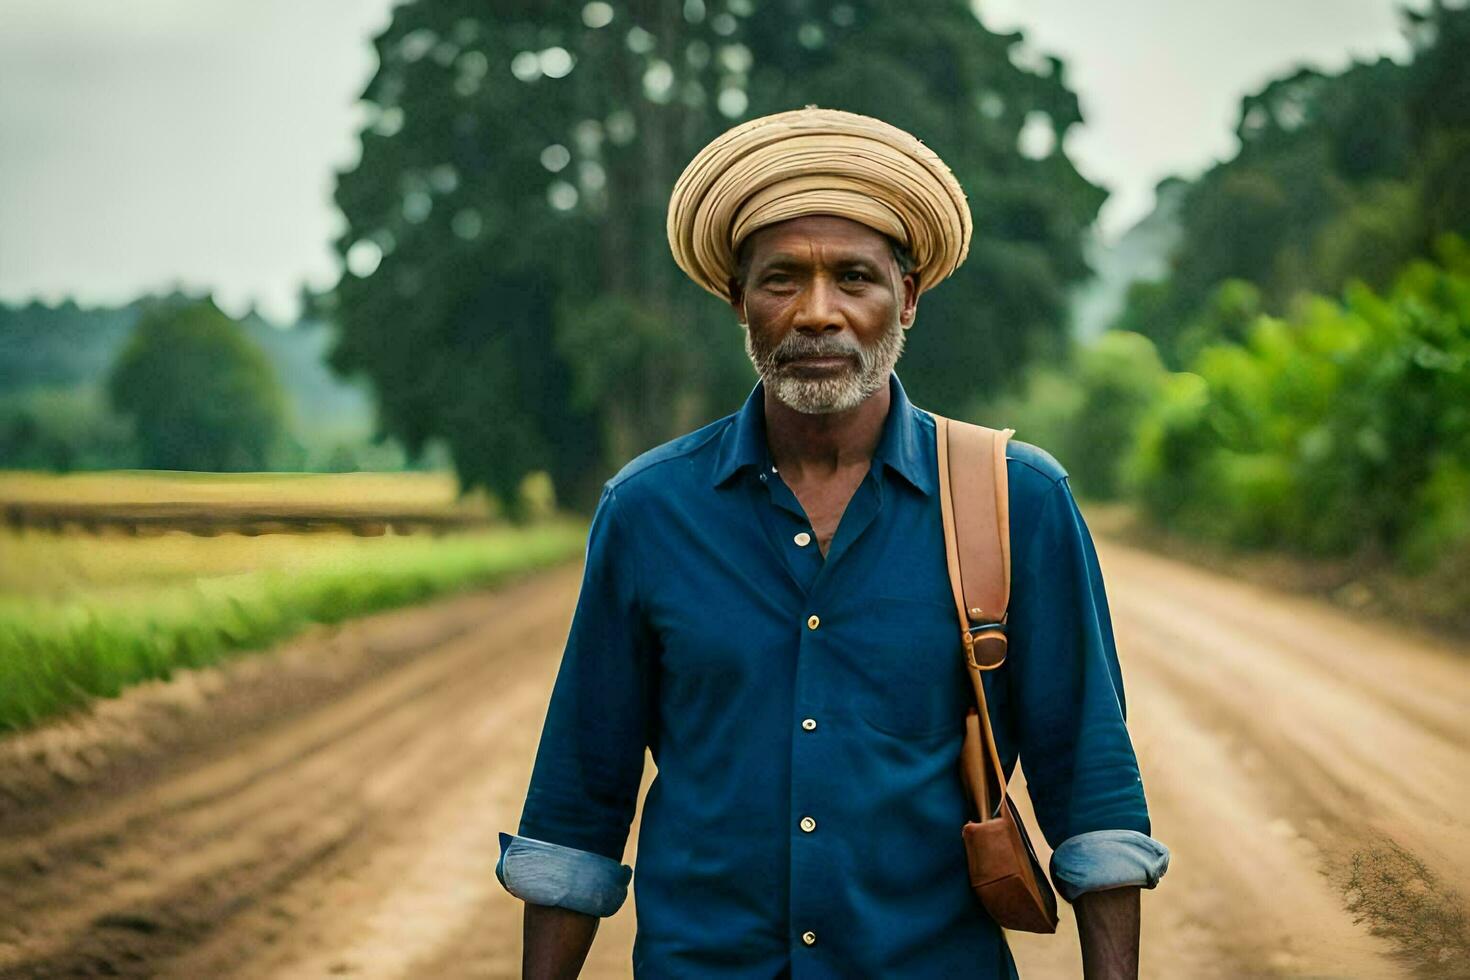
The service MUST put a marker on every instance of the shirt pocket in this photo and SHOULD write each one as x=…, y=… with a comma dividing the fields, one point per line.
x=914, y=683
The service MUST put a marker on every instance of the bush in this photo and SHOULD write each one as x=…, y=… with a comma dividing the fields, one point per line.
x=1344, y=426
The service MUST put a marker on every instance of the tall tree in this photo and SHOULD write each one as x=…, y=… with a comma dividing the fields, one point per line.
x=509, y=285
x=200, y=394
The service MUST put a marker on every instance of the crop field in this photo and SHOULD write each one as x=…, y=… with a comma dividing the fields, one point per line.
x=96, y=605
x=143, y=502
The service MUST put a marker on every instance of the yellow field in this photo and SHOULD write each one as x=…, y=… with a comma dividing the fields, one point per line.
x=347, y=491
x=252, y=503
x=88, y=614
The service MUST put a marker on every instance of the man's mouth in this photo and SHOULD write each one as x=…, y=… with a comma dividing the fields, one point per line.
x=821, y=362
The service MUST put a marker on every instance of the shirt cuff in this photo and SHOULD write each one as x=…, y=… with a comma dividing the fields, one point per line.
x=542, y=873
x=1102, y=859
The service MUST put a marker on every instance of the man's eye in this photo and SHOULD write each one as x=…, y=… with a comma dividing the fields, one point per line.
x=853, y=274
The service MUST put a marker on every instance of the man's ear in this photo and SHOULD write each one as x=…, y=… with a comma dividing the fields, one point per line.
x=910, y=307
x=737, y=300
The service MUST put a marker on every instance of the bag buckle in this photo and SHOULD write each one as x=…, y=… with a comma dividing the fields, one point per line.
x=990, y=638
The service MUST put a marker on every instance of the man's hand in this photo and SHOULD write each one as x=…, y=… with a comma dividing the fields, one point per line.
x=1107, y=925
x=555, y=942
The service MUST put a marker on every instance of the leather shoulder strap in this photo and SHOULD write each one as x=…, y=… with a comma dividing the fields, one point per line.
x=974, y=501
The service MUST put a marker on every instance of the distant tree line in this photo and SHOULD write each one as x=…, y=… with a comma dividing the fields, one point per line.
x=170, y=381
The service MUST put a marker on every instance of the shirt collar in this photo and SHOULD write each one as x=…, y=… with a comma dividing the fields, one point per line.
x=903, y=447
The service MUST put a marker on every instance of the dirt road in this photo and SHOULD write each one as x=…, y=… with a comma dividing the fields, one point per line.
x=331, y=809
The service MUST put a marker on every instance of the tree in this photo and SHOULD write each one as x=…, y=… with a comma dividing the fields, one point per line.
x=509, y=286
x=201, y=396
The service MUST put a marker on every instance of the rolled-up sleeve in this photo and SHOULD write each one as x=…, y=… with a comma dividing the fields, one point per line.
x=1101, y=859
x=589, y=762
x=550, y=874
x=1069, y=710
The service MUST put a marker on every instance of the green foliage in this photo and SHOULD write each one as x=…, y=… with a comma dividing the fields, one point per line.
x=1370, y=240
x=1344, y=426
x=1338, y=177
x=1120, y=377
x=1087, y=411
x=64, y=429
x=1165, y=470
x=1226, y=317
x=509, y=285
x=53, y=657
x=201, y=396
x=1042, y=410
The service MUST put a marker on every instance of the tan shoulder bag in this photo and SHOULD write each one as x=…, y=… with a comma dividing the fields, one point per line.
x=974, y=501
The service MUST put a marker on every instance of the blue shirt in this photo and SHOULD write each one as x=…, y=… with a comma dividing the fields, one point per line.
x=806, y=714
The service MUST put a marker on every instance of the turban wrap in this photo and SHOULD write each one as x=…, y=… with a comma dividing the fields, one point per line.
x=816, y=161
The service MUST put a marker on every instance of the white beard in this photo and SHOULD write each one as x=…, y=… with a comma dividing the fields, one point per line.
x=822, y=396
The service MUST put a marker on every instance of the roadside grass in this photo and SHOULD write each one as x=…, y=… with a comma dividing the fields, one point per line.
x=46, y=567
x=1397, y=896
x=141, y=608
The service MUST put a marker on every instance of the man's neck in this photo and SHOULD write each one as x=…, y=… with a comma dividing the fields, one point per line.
x=807, y=446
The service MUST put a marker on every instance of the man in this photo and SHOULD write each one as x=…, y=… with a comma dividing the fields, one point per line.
x=766, y=607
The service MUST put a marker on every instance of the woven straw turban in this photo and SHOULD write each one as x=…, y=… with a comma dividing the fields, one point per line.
x=816, y=161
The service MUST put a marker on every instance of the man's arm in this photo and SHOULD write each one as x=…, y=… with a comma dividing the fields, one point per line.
x=1101, y=873
x=1107, y=926
x=565, y=860
x=567, y=892
x=555, y=942
x=1068, y=712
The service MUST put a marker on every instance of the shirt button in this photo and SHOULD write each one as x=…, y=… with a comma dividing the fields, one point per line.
x=812, y=622
x=811, y=723
x=809, y=937
x=802, y=540
x=808, y=824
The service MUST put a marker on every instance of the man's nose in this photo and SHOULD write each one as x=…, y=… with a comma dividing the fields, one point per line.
x=817, y=310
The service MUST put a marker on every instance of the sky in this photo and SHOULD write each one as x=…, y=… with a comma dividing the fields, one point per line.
x=153, y=144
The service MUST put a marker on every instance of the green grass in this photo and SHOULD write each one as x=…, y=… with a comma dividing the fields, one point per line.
x=61, y=650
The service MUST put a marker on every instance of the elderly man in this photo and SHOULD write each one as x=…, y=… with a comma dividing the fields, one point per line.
x=766, y=607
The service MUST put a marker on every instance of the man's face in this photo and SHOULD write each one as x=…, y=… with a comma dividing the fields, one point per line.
x=826, y=308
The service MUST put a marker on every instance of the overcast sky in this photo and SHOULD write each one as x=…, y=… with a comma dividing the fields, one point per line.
x=148, y=143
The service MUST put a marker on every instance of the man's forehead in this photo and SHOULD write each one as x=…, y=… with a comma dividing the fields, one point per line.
x=810, y=236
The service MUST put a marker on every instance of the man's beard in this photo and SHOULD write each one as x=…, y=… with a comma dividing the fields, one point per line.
x=835, y=393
